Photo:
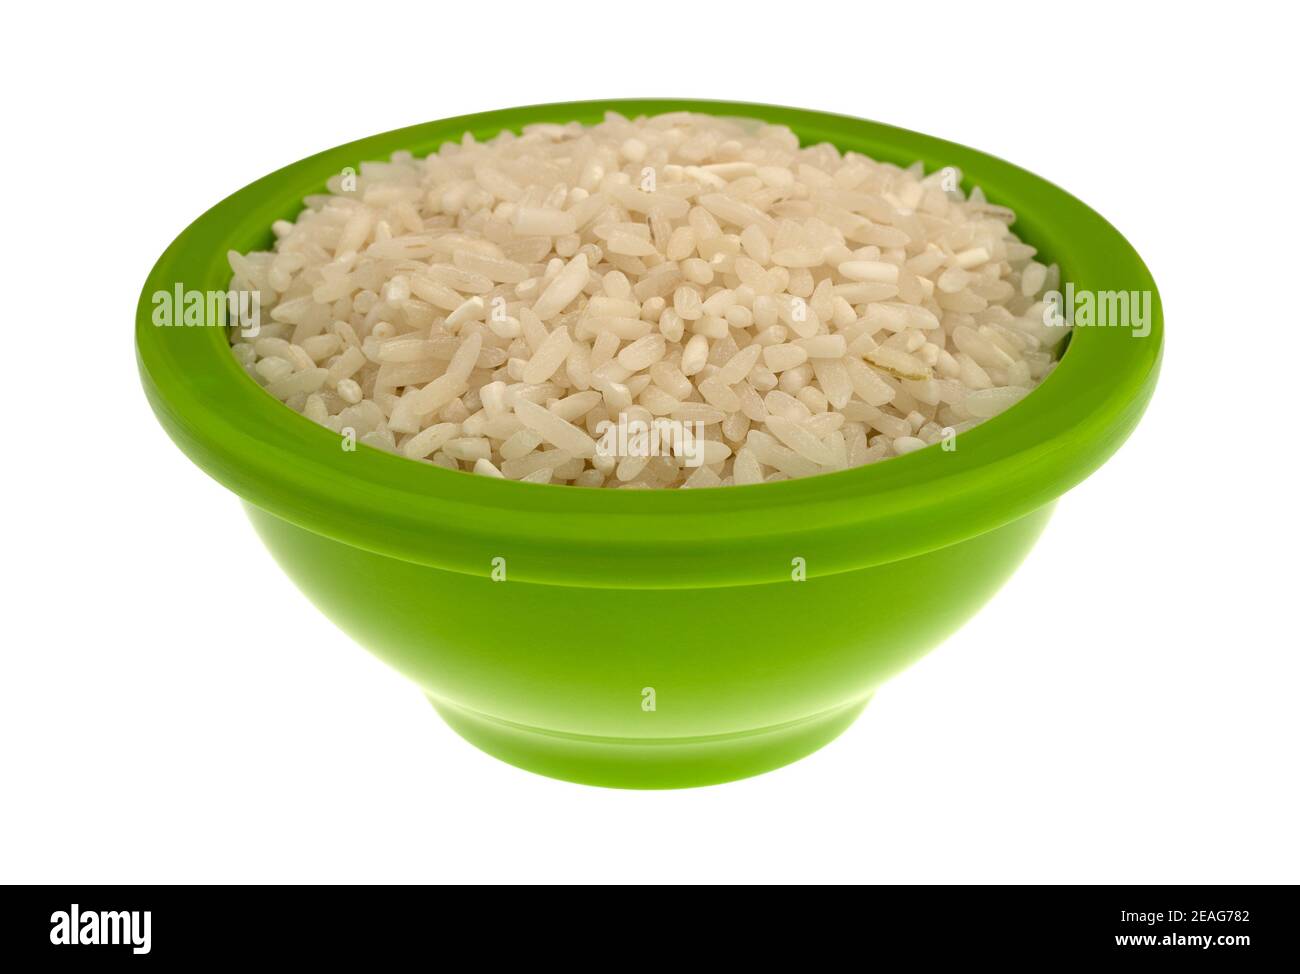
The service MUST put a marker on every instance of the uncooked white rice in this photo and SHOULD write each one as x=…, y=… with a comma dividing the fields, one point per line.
x=493, y=307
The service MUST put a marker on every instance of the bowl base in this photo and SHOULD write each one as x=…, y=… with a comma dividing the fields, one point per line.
x=613, y=762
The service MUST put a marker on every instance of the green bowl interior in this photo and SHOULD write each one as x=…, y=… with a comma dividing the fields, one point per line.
x=1002, y=469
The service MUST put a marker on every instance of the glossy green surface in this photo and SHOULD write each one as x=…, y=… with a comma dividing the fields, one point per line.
x=745, y=677
x=689, y=592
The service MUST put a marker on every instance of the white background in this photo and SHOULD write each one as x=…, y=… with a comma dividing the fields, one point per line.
x=1125, y=710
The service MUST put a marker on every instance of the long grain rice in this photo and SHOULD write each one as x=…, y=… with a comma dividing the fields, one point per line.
x=492, y=307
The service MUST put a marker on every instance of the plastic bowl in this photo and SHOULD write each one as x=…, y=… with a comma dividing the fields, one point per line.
x=650, y=639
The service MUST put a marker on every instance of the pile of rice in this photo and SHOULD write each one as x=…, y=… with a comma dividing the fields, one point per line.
x=488, y=307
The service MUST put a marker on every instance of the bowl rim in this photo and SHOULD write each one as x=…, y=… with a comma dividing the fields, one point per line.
x=1002, y=469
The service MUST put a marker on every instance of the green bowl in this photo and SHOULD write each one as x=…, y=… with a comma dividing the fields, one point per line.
x=650, y=639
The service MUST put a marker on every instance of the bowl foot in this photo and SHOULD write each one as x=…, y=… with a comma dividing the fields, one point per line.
x=655, y=763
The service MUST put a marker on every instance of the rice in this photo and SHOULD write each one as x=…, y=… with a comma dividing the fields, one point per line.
x=499, y=306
